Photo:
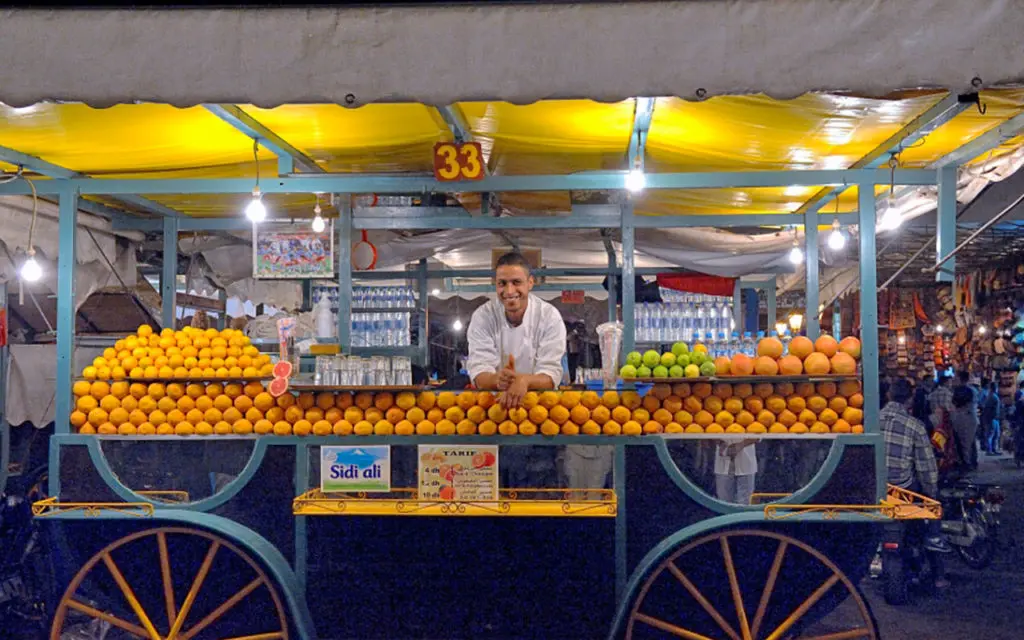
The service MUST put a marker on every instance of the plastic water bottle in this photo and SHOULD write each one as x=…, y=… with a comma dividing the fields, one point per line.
x=700, y=320
x=747, y=347
x=687, y=321
x=675, y=322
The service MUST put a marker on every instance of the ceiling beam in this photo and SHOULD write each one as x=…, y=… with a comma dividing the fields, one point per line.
x=50, y=170
x=288, y=157
x=643, y=112
x=928, y=121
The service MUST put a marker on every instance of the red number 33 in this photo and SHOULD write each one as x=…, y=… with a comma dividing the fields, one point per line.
x=454, y=162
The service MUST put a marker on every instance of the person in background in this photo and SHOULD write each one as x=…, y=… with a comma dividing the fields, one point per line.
x=964, y=419
x=573, y=348
x=909, y=457
x=735, y=470
x=920, y=407
x=941, y=400
x=991, y=414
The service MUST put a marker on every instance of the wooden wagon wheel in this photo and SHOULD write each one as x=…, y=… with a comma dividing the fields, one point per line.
x=228, y=596
x=749, y=585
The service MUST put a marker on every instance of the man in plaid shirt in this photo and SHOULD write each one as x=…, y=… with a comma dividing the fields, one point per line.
x=909, y=458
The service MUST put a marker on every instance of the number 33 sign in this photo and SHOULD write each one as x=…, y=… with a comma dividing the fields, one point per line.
x=454, y=162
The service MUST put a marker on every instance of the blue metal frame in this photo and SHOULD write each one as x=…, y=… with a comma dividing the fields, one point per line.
x=945, y=240
x=811, y=290
x=169, y=275
x=66, y=307
x=868, y=306
x=5, y=427
x=288, y=157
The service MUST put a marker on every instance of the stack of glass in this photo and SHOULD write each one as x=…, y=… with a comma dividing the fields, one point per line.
x=381, y=316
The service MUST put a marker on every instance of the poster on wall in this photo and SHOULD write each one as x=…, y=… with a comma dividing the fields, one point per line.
x=458, y=473
x=285, y=251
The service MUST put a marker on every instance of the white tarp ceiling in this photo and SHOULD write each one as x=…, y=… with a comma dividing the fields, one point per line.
x=516, y=52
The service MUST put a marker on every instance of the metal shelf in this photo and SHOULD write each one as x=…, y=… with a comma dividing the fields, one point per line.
x=748, y=379
x=530, y=503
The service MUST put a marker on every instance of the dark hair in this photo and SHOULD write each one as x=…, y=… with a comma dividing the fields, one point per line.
x=992, y=385
x=962, y=397
x=965, y=377
x=513, y=259
x=943, y=379
x=901, y=390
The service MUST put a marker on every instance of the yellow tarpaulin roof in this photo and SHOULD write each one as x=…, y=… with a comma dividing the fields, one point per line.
x=748, y=133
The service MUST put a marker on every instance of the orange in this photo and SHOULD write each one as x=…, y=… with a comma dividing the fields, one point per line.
x=651, y=403
x=838, y=404
x=851, y=415
x=733, y=405
x=701, y=390
x=316, y=413
x=231, y=416
x=405, y=400
x=827, y=389
x=435, y=415
x=263, y=401
x=763, y=389
x=508, y=428
x=465, y=428
x=254, y=415
x=778, y=427
x=380, y=428
x=714, y=428
x=263, y=427
x=766, y=366
x=243, y=403
x=590, y=428
x=672, y=404
x=497, y=413
x=682, y=389
x=713, y=404
x=661, y=391
x=724, y=418
x=403, y=428
x=723, y=390
x=703, y=418
x=694, y=428
x=293, y=414
x=282, y=429
x=817, y=364
x=539, y=414
x=364, y=400
x=807, y=417
x=591, y=400
x=548, y=399
x=819, y=427
x=753, y=404
x=487, y=428
x=610, y=399
x=275, y=414
x=343, y=401
x=682, y=417
x=856, y=400
x=741, y=365
x=621, y=414
x=843, y=364
x=744, y=418
x=661, y=416
x=425, y=400
x=445, y=427
x=485, y=399
x=632, y=428
x=641, y=415
x=307, y=401
x=465, y=400
x=756, y=427
x=827, y=345
x=600, y=414
x=766, y=417
x=455, y=414
x=817, y=403
x=850, y=346
x=742, y=390
x=849, y=387
x=414, y=415
x=787, y=417
x=692, y=404
x=841, y=426
x=801, y=347
x=653, y=427
x=382, y=401
x=214, y=389
x=799, y=427
x=558, y=414
x=203, y=403
x=775, y=404
x=796, y=404
x=446, y=399
x=611, y=428
x=285, y=400
x=828, y=416
x=786, y=389
x=570, y=399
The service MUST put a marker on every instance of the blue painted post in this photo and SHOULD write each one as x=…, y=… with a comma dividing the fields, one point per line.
x=868, y=306
x=945, y=241
x=811, y=262
x=837, y=320
x=737, y=307
x=301, y=539
x=619, y=484
x=422, y=337
x=222, y=318
x=5, y=428
x=628, y=280
x=65, y=307
x=772, y=309
x=344, y=257
x=169, y=277
x=751, y=310
x=613, y=301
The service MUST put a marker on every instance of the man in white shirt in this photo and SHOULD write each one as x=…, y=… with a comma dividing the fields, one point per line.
x=517, y=341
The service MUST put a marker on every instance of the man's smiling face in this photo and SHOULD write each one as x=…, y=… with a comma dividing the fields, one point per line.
x=514, y=285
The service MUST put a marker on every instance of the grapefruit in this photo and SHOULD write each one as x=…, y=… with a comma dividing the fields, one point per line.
x=790, y=365
x=282, y=369
x=769, y=347
x=766, y=365
x=817, y=364
x=278, y=386
x=843, y=363
x=826, y=344
x=850, y=346
x=741, y=365
x=801, y=347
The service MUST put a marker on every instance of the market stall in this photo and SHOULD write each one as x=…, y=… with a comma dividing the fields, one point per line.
x=224, y=463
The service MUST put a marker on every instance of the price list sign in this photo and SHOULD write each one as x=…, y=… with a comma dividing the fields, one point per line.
x=458, y=473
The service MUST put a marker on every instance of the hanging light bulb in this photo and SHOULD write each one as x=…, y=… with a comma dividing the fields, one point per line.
x=457, y=325
x=796, y=255
x=938, y=328
x=636, y=180
x=836, y=239
x=318, y=221
x=31, y=271
x=982, y=330
x=256, y=210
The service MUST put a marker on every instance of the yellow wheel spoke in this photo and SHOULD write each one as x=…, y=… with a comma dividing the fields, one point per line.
x=222, y=609
x=193, y=592
x=670, y=628
x=165, y=571
x=130, y=597
x=769, y=586
x=734, y=586
x=112, y=619
x=861, y=632
x=802, y=609
x=699, y=597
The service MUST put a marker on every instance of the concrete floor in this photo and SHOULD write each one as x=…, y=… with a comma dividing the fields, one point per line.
x=979, y=604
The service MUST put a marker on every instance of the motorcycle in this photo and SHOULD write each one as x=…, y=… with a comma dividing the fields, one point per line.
x=970, y=520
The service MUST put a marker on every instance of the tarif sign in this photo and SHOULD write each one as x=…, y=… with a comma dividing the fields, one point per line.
x=355, y=469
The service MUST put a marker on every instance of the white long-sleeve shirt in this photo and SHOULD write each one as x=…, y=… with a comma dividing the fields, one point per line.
x=538, y=343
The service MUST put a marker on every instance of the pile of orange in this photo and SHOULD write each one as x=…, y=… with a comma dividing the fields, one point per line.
x=189, y=354
x=205, y=409
x=821, y=357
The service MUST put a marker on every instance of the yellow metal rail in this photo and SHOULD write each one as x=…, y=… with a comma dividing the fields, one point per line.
x=168, y=496
x=898, y=504
x=53, y=507
x=555, y=503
